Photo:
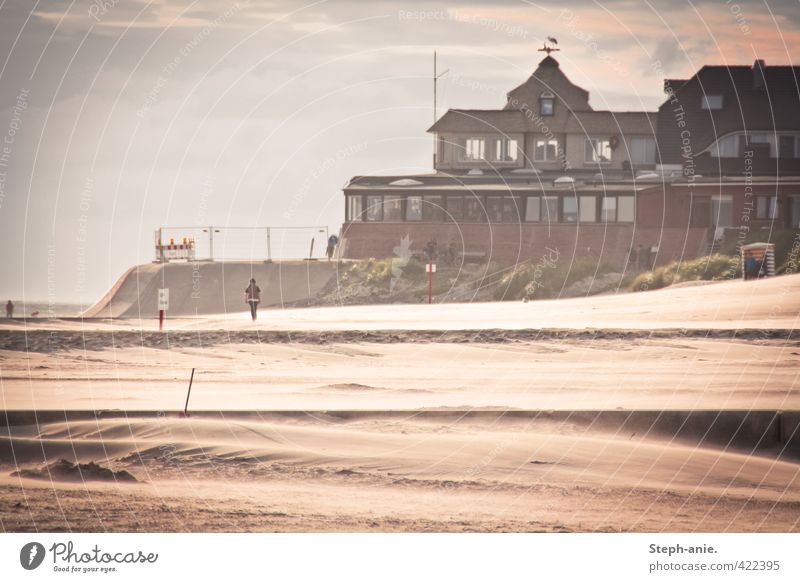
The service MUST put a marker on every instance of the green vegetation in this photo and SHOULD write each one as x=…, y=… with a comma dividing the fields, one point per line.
x=792, y=263
x=547, y=278
x=710, y=268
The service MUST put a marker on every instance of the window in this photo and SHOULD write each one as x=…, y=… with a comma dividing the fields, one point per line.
x=786, y=146
x=374, y=208
x=532, y=209
x=355, y=207
x=414, y=208
x=569, y=209
x=597, y=150
x=474, y=149
x=546, y=104
x=643, y=150
x=760, y=143
x=711, y=102
x=722, y=211
x=726, y=147
x=455, y=208
x=626, y=209
x=432, y=210
x=608, y=210
x=473, y=209
x=766, y=207
x=549, y=208
x=494, y=208
x=511, y=210
x=505, y=150
x=545, y=150
x=793, y=213
x=393, y=208
x=588, y=209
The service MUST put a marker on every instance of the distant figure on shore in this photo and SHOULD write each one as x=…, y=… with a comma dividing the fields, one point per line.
x=750, y=267
x=9, y=309
x=252, y=296
x=333, y=240
x=430, y=250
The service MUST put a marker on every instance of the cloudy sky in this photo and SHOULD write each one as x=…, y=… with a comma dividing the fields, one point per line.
x=119, y=116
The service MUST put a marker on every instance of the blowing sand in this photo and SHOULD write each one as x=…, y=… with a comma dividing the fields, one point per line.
x=723, y=347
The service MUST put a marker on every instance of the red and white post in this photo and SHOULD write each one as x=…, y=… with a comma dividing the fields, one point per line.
x=163, y=305
x=431, y=269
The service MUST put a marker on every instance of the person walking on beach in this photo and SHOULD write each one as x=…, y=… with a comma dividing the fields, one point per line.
x=9, y=309
x=252, y=296
x=333, y=240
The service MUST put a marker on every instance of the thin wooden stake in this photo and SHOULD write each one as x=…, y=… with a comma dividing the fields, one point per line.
x=186, y=408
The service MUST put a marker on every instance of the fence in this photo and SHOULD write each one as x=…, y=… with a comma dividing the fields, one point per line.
x=240, y=243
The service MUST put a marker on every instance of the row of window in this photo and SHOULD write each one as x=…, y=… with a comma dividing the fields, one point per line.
x=568, y=209
x=773, y=145
x=596, y=150
x=505, y=150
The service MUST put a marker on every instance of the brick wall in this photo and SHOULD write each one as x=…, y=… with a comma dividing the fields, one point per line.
x=509, y=243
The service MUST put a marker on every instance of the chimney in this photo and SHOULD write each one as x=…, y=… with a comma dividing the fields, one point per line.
x=758, y=74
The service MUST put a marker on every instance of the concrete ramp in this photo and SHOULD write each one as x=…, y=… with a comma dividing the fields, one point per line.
x=202, y=288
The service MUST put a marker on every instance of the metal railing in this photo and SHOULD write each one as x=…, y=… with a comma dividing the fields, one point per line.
x=242, y=243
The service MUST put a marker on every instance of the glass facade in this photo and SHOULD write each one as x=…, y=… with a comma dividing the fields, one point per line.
x=493, y=208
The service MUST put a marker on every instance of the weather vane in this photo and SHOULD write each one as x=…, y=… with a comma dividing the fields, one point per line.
x=548, y=45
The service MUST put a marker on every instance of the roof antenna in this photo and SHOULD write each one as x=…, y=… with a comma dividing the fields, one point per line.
x=436, y=77
x=548, y=46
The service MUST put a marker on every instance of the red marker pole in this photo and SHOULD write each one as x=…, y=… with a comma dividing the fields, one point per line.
x=160, y=319
x=430, y=285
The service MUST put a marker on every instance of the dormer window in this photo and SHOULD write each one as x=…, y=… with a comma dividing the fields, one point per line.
x=711, y=102
x=474, y=149
x=546, y=104
x=505, y=150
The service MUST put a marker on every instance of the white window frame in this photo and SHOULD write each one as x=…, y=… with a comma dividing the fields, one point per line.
x=550, y=98
x=587, y=204
x=467, y=155
x=626, y=200
x=646, y=143
x=603, y=209
x=502, y=147
x=594, y=141
x=545, y=142
x=533, y=207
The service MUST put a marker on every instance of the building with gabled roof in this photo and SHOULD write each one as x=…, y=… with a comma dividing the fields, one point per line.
x=548, y=171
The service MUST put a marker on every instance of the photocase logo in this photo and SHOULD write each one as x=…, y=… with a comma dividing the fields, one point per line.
x=31, y=555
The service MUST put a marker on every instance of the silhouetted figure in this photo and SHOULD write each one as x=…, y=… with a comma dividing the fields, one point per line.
x=9, y=309
x=430, y=250
x=333, y=240
x=252, y=296
x=750, y=267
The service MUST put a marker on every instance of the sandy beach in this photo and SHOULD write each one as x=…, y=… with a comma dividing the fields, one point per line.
x=458, y=417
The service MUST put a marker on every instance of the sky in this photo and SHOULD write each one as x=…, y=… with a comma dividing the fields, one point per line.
x=121, y=116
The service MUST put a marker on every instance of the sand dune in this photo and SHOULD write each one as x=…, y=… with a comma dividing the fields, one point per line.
x=558, y=374
x=432, y=466
x=466, y=417
x=766, y=304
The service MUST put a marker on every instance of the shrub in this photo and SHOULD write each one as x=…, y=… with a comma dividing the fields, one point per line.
x=710, y=268
x=546, y=278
